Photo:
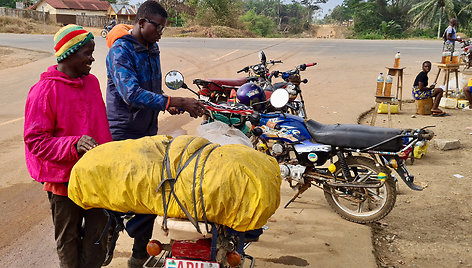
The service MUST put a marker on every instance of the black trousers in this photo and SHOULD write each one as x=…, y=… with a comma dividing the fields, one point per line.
x=76, y=230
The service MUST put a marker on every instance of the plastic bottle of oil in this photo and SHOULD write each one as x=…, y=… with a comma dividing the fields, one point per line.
x=396, y=64
x=455, y=57
x=388, y=86
x=380, y=84
x=444, y=57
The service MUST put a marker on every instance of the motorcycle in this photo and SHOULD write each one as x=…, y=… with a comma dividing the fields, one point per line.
x=292, y=81
x=198, y=244
x=106, y=29
x=359, y=183
x=219, y=90
x=216, y=246
x=466, y=54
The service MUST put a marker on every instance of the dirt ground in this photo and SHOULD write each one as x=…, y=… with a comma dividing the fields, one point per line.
x=431, y=228
x=12, y=57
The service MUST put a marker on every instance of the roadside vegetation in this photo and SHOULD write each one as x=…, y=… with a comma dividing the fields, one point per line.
x=388, y=19
x=364, y=19
x=26, y=26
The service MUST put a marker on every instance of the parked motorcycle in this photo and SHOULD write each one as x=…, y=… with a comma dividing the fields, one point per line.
x=358, y=184
x=466, y=54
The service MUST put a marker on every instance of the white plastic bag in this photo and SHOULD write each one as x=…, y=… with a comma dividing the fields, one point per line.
x=219, y=132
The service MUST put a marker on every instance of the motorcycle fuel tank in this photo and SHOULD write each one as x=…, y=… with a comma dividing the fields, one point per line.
x=283, y=127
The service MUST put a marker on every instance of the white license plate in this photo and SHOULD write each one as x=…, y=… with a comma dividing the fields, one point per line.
x=177, y=263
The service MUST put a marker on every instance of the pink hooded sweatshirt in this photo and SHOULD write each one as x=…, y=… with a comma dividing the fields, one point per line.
x=59, y=110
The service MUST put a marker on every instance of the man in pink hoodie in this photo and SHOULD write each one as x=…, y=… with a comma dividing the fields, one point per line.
x=65, y=117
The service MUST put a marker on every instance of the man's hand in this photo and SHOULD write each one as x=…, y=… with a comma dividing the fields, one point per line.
x=192, y=106
x=85, y=144
x=175, y=110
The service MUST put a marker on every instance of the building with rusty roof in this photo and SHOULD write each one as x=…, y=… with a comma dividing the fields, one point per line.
x=65, y=11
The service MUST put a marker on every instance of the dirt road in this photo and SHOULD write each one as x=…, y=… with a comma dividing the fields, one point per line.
x=306, y=234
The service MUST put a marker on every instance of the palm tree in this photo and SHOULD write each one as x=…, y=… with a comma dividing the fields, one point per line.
x=425, y=11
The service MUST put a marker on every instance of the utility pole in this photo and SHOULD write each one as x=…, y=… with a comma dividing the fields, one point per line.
x=44, y=20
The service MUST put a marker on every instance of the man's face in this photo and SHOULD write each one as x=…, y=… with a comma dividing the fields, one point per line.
x=453, y=22
x=426, y=67
x=81, y=61
x=153, y=28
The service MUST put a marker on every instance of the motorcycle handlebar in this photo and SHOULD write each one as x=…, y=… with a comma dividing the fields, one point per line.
x=245, y=69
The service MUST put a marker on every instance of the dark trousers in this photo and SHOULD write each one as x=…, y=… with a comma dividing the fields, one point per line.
x=142, y=238
x=76, y=230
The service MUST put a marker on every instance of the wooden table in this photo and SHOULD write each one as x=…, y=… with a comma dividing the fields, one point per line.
x=378, y=101
x=398, y=72
x=448, y=68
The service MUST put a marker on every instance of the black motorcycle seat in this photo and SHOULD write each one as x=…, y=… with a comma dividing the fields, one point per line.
x=355, y=136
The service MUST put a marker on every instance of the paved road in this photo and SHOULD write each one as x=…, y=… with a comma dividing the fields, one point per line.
x=308, y=234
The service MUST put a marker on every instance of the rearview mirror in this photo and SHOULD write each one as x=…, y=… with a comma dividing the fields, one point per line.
x=262, y=57
x=279, y=98
x=174, y=80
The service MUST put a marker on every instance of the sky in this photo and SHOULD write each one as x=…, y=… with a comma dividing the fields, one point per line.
x=329, y=5
x=325, y=7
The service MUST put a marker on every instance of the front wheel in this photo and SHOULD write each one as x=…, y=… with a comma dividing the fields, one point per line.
x=104, y=33
x=361, y=205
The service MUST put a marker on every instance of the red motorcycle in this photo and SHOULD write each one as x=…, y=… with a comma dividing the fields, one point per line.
x=466, y=54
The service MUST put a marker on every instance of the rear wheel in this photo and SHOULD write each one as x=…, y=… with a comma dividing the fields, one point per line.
x=361, y=205
x=104, y=33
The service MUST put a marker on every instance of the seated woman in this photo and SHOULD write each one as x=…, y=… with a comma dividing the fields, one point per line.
x=422, y=91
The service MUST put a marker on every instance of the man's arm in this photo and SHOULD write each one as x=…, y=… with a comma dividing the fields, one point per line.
x=124, y=76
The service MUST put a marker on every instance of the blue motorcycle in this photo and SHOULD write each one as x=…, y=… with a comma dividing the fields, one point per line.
x=352, y=164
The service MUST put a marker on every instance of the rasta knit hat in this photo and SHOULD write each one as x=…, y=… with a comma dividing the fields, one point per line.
x=69, y=39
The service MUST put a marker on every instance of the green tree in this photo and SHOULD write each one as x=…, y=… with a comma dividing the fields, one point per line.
x=311, y=6
x=217, y=12
x=259, y=24
x=8, y=3
x=426, y=11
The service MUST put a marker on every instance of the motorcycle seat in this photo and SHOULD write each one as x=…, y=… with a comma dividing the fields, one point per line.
x=181, y=229
x=237, y=82
x=355, y=136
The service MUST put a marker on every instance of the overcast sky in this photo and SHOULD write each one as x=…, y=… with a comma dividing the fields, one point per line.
x=325, y=7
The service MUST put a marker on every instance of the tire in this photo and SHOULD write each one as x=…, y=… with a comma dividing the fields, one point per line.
x=382, y=199
x=104, y=33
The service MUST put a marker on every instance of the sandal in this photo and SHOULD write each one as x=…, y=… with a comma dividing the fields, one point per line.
x=436, y=111
x=439, y=114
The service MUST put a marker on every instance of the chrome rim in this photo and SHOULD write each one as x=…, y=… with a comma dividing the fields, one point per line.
x=360, y=202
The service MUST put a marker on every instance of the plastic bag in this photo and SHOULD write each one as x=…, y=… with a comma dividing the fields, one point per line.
x=219, y=132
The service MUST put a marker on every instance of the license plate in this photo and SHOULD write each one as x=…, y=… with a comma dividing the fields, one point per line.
x=178, y=263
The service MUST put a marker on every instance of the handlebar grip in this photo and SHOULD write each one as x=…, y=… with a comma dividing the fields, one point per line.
x=310, y=64
x=245, y=69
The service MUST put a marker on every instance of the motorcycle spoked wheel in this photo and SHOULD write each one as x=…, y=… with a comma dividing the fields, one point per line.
x=361, y=205
x=104, y=33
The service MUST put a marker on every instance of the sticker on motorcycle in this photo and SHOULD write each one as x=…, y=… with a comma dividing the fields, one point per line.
x=178, y=263
x=312, y=157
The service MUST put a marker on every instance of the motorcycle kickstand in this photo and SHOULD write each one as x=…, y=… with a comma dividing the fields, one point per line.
x=301, y=190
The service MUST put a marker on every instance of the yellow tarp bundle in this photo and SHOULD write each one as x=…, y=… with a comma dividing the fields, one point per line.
x=241, y=187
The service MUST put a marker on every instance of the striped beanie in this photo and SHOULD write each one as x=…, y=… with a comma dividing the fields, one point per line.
x=69, y=39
